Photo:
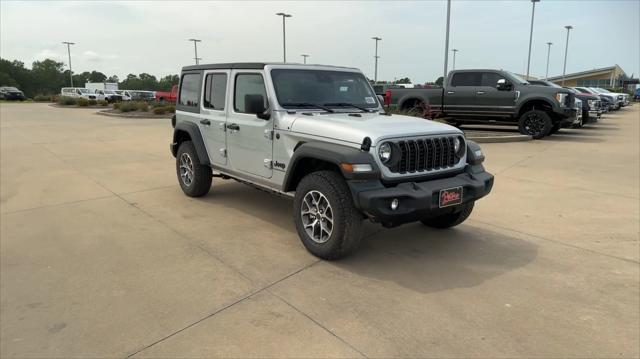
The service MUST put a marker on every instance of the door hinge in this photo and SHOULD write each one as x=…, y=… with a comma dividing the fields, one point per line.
x=223, y=127
x=268, y=163
x=268, y=134
x=223, y=152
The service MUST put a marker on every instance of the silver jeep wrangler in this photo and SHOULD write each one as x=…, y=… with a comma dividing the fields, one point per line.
x=318, y=134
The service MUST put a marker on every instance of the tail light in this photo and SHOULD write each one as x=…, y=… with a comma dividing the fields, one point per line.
x=387, y=98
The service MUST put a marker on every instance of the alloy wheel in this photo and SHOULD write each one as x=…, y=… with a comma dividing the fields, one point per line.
x=317, y=216
x=186, y=169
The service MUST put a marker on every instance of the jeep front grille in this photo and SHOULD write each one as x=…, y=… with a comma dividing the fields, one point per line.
x=425, y=155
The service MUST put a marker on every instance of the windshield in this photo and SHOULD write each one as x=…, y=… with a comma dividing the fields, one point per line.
x=84, y=90
x=323, y=89
x=518, y=79
x=603, y=90
x=110, y=92
x=10, y=89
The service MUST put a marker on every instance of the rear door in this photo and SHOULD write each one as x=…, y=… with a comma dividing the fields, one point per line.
x=249, y=143
x=489, y=100
x=213, y=114
x=460, y=95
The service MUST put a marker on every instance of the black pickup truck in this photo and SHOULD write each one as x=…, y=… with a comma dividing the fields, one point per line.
x=491, y=97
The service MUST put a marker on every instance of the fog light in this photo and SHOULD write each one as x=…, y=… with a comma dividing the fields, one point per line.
x=394, y=204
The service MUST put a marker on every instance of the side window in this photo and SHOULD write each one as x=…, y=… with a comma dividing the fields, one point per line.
x=215, y=91
x=490, y=79
x=466, y=79
x=189, y=90
x=246, y=85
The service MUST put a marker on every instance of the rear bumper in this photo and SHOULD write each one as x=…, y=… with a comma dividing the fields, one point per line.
x=418, y=200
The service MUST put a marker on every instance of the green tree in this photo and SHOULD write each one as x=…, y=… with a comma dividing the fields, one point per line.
x=47, y=77
x=97, y=76
x=405, y=80
x=439, y=81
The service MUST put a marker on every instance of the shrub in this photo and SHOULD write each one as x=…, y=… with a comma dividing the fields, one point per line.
x=67, y=101
x=128, y=106
x=103, y=103
x=159, y=110
x=142, y=106
x=170, y=108
x=42, y=98
x=83, y=102
x=116, y=106
x=93, y=102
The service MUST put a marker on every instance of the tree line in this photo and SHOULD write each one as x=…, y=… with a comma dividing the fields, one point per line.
x=46, y=77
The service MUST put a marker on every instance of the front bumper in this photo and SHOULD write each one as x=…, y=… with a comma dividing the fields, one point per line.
x=418, y=200
x=568, y=116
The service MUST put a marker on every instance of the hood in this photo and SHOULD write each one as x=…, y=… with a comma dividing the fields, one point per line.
x=587, y=96
x=547, y=89
x=343, y=127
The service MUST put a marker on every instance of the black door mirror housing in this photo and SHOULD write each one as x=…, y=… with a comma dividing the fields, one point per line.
x=503, y=85
x=254, y=103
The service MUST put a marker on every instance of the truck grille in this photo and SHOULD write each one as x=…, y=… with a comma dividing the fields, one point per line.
x=425, y=155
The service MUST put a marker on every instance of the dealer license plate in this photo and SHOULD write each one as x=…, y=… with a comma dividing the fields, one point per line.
x=450, y=196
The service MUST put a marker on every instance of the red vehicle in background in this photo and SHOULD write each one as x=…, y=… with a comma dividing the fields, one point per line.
x=164, y=96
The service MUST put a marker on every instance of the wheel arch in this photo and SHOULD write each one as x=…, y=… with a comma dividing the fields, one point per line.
x=535, y=103
x=189, y=131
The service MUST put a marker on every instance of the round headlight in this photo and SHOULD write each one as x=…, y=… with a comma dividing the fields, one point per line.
x=456, y=145
x=384, y=152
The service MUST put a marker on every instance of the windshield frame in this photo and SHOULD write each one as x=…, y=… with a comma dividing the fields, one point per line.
x=374, y=107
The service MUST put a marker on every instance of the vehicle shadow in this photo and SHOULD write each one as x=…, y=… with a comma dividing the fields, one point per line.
x=413, y=256
x=429, y=260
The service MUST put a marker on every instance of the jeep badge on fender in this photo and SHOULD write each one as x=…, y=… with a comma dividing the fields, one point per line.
x=319, y=135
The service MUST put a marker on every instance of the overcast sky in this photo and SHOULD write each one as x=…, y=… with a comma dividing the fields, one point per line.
x=117, y=37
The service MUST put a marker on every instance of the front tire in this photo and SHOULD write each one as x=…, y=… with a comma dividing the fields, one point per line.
x=451, y=219
x=535, y=123
x=194, y=178
x=327, y=222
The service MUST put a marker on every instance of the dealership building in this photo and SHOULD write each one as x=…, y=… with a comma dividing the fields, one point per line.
x=606, y=77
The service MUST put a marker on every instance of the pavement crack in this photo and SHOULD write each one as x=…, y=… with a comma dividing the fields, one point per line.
x=240, y=300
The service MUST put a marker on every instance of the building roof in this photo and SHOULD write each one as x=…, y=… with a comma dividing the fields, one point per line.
x=587, y=73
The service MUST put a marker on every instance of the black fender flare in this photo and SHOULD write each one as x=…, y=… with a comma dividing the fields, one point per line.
x=524, y=101
x=332, y=153
x=193, y=131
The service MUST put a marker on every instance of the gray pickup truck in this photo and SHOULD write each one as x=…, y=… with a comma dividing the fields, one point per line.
x=492, y=96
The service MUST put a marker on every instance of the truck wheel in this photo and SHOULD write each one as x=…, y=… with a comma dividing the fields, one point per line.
x=535, y=123
x=194, y=178
x=451, y=219
x=328, y=224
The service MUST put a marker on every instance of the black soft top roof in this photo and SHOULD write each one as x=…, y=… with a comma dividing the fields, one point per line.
x=232, y=65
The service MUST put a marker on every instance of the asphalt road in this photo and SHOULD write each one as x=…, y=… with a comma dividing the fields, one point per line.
x=101, y=255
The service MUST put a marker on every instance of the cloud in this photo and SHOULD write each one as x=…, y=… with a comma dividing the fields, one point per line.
x=92, y=56
x=49, y=54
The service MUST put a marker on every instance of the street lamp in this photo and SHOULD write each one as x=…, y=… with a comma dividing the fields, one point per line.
x=305, y=57
x=284, y=36
x=375, y=73
x=546, y=76
x=454, y=58
x=533, y=11
x=195, y=48
x=446, y=41
x=69, y=52
x=566, y=49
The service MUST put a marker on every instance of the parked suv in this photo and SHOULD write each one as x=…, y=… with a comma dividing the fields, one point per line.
x=11, y=93
x=319, y=135
x=492, y=97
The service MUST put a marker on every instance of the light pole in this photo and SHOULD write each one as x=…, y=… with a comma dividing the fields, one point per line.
x=546, y=76
x=566, y=49
x=195, y=48
x=446, y=41
x=304, y=57
x=533, y=12
x=284, y=36
x=454, y=58
x=69, y=53
x=375, y=73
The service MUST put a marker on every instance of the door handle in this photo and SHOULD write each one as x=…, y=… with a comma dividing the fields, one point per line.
x=480, y=92
x=205, y=122
x=233, y=127
x=451, y=92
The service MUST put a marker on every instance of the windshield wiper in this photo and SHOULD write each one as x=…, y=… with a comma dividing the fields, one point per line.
x=347, y=104
x=306, y=104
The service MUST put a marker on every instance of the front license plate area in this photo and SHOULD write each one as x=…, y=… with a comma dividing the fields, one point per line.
x=450, y=197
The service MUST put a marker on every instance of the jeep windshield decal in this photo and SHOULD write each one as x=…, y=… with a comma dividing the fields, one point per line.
x=322, y=89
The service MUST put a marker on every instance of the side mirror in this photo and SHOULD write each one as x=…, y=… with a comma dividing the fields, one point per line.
x=255, y=104
x=503, y=85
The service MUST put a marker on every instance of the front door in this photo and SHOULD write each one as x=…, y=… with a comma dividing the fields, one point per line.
x=490, y=100
x=249, y=142
x=213, y=115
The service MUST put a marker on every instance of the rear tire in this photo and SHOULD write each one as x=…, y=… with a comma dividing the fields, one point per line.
x=194, y=178
x=535, y=123
x=451, y=219
x=327, y=222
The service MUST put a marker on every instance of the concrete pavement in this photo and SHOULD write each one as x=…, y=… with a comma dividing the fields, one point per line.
x=101, y=255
